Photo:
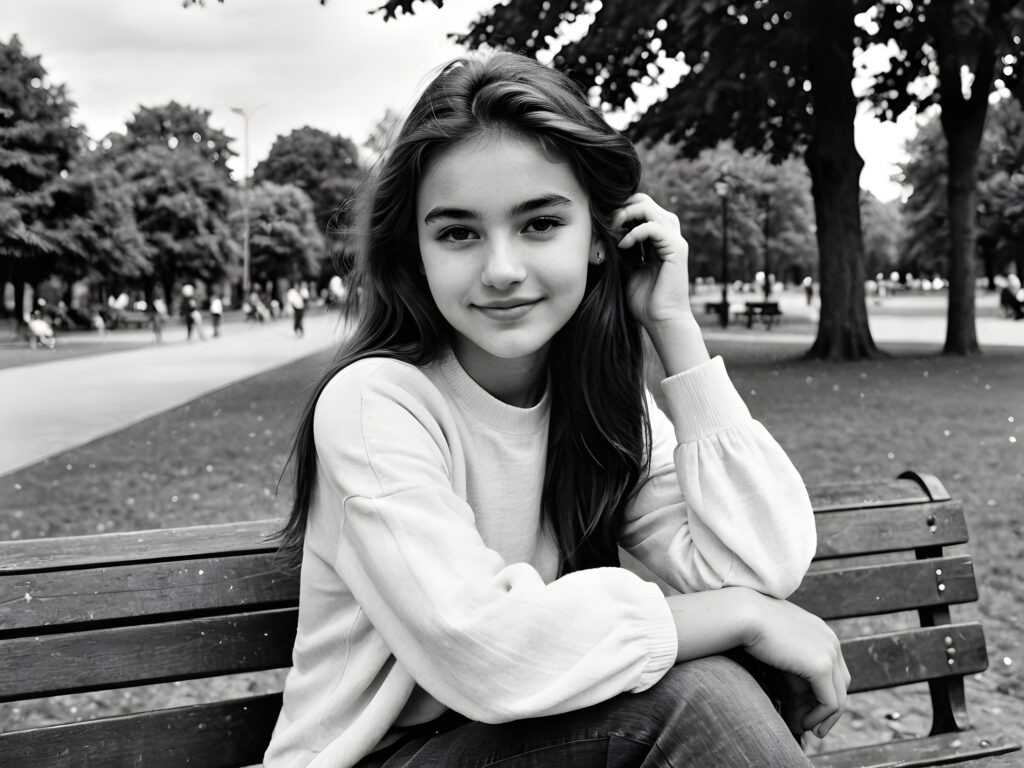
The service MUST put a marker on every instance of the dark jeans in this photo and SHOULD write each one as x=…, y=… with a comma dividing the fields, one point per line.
x=704, y=713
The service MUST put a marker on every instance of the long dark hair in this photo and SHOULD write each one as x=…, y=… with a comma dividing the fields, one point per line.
x=599, y=435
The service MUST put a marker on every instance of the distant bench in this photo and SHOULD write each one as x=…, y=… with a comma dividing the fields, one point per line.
x=767, y=312
x=95, y=613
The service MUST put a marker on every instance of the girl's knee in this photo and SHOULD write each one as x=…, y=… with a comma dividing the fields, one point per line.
x=719, y=691
x=708, y=678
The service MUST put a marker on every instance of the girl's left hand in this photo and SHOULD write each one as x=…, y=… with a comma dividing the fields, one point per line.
x=659, y=290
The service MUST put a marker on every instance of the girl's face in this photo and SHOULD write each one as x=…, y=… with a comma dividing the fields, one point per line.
x=505, y=236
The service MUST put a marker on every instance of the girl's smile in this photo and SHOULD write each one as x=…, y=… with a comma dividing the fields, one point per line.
x=513, y=309
x=505, y=236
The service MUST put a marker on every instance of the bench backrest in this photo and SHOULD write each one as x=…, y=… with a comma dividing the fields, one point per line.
x=99, y=612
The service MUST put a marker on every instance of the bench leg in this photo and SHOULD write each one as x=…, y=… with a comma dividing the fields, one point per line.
x=949, y=704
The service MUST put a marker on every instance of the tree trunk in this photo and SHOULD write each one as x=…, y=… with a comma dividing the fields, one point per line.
x=963, y=121
x=835, y=167
x=963, y=138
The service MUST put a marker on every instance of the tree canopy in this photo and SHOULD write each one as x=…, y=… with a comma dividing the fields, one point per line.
x=181, y=192
x=770, y=217
x=37, y=143
x=174, y=125
x=324, y=165
x=284, y=240
x=999, y=214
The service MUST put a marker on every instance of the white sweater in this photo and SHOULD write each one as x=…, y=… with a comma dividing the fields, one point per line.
x=429, y=582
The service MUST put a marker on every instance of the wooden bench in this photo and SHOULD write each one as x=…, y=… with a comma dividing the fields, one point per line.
x=96, y=613
x=767, y=312
x=714, y=307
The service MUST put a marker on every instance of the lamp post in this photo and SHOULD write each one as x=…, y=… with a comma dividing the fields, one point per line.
x=245, y=197
x=722, y=190
x=766, y=202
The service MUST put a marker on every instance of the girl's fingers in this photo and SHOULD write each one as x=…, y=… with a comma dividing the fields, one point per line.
x=831, y=695
x=641, y=208
x=666, y=242
x=646, y=231
x=824, y=688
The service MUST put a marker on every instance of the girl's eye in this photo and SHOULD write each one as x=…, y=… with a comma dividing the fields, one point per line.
x=456, y=234
x=543, y=224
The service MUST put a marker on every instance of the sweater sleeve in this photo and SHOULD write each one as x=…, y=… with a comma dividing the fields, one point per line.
x=722, y=505
x=486, y=638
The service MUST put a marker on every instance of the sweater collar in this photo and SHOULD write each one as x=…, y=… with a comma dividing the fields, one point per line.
x=489, y=409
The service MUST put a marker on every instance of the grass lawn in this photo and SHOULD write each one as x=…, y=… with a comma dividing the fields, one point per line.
x=219, y=458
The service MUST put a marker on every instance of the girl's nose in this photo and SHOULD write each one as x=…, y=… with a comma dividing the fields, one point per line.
x=502, y=266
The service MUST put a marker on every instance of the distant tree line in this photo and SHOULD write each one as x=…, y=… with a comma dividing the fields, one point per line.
x=149, y=209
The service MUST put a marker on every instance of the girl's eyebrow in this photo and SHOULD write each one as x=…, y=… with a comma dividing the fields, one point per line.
x=462, y=214
x=544, y=201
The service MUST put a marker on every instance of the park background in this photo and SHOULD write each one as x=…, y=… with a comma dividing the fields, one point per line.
x=102, y=219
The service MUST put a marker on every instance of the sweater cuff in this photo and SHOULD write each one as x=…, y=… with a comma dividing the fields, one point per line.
x=664, y=643
x=703, y=401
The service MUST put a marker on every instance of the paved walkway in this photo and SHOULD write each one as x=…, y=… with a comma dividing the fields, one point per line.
x=898, y=319
x=52, y=406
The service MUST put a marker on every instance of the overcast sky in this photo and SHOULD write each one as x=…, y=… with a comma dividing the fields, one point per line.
x=289, y=63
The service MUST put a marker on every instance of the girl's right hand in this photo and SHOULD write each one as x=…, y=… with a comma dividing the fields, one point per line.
x=796, y=642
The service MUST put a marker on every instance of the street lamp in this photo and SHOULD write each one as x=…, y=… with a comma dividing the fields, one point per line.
x=245, y=197
x=766, y=202
x=722, y=190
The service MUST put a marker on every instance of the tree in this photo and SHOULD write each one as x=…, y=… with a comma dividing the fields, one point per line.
x=37, y=142
x=181, y=203
x=769, y=76
x=174, y=125
x=1000, y=194
x=175, y=165
x=102, y=239
x=323, y=165
x=326, y=167
x=284, y=240
x=958, y=46
x=771, y=213
x=883, y=234
x=1000, y=219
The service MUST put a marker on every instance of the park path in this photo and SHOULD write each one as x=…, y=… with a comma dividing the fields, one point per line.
x=915, y=319
x=51, y=407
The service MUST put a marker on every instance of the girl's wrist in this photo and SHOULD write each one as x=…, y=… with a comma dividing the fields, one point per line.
x=679, y=343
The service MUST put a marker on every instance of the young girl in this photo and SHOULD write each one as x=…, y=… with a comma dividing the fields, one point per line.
x=470, y=466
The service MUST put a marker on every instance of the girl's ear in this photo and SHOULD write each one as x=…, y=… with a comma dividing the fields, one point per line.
x=597, y=252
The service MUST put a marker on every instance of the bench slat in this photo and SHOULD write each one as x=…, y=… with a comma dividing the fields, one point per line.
x=914, y=656
x=148, y=653
x=138, y=546
x=861, y=495
x=229, y=733
x=916, y=753
x=875, y=589
x=52, y=598
x=889, y=529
